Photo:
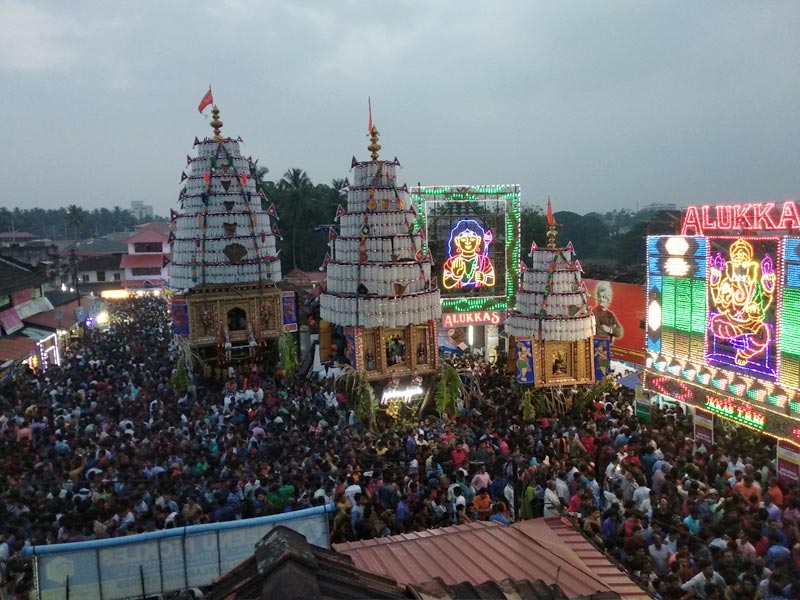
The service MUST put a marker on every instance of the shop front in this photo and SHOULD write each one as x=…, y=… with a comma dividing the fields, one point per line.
x=62, y=324
x=474, y=333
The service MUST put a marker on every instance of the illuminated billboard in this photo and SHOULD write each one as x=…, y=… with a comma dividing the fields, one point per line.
x=472, y=236
x=723, y=315
x=618, y=309
x=741, y=295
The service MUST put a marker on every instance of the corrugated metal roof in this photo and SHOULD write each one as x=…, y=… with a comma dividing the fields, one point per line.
x=13, y=235
x=16, y=348
x=286, y=565
x=149, y=234
x=61, y=317
x=616, y=579
x=487, y=551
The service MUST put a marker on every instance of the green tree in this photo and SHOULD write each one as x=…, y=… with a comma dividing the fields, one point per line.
x=533, y=228
x=262, y=185
x=120, y=219
x=588, y=233
x=20, y=220
x=75, y=218
x=629, y=248
x=298, y=210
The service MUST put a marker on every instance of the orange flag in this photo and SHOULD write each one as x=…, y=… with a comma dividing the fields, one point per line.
x=369, y=103
x=207, y=99
x=550, y=219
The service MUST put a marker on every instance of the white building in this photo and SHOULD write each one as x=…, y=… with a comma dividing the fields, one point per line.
x=141, y=211
x=146, y=263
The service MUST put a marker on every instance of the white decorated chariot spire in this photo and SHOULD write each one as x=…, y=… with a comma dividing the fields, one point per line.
x=377, y=275
x=552, y=302
x=222, y=234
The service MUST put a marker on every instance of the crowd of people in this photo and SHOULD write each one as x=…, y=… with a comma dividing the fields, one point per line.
x=105, y=446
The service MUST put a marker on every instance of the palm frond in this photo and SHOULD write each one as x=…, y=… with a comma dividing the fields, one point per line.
x=287, y=350
x=448, y=390
x=359, y=394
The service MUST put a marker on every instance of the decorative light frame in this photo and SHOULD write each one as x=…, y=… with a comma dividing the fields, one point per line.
x=771, y=406
x=422, y=196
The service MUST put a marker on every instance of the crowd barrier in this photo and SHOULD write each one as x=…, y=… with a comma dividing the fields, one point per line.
x=159, y=562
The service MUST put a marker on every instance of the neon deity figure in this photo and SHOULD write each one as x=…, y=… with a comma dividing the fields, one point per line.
x=742, y=290
x=469, y=265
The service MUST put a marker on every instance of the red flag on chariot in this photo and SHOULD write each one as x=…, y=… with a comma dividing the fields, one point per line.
x=207, y=99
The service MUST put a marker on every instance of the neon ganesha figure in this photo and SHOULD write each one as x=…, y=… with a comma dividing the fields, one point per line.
x=742, y=290
x=469, y=264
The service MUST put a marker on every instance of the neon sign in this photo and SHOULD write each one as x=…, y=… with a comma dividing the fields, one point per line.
x=758, y=216
x=402, y=395
x=486, y=317
x=735, y=412
x=672, y=388
x=468, y=265
x=742, y=290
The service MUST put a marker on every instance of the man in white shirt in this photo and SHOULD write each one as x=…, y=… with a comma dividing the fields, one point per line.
x=508, y=492
x=735, y=464
x=646, y=506
x=660, y=555
x=640, y=494
x=706, y=575
x=552, y=503
x=613, y=470
x=562, y=488
x=351, y=490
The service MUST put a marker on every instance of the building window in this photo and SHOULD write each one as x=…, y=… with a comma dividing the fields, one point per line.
x=146, y=271
x=85, y=278
x=101, y=276
x=149, y=247
x=117, y=276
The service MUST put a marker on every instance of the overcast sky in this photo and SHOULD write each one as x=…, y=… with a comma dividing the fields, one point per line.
x=600, y=104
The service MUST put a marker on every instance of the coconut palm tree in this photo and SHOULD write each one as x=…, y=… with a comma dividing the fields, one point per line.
x=75, y=218
x=298, y=208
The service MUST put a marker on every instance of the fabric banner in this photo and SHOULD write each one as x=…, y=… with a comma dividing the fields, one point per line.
x=33, y=307
x=602, y=359
x=96, y=307
x=10, y=320
x=788, y=461
x=180, y=318
x=289, y=310
x=524, y=353
x=704, y=427
x=350, y=347
x=618, y=310
x=452, y=340
x=642, y=404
